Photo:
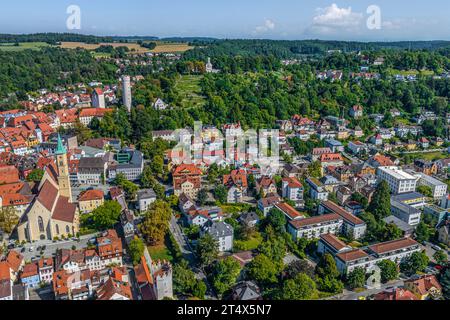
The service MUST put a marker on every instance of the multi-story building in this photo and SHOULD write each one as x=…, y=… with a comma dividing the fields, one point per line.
x=405, y=212
x=91, y=170
x=98, y=98
x=90, y=200
x=314, y=227
x=398, y=180
x=438, y=188
x=353, y=226
x=222, y=232
x=129, y=162
x=292, y=189
x=317, y=190
x=145, y=198
x=187, y=180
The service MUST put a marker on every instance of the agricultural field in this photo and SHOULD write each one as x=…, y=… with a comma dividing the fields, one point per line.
x=11, y=47
x=134, y=47
x=161, y=47
x=169, y=47
x=188, y=87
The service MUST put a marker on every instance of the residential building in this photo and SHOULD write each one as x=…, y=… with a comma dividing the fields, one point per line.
x=222, y=232
x=145, y=197
x=187, y=180
x=90, y=200
x=246, y=291
x=314, y=227
x=353, y=226
x=426, y=167
x=30, y=275
x=398, y=180
x=329, y=243
x=237, y=185
x=356, y=111
x=289, y=212
x=46, y=270
x=425, y=287
x=292, y=189
x=317, y=190
x=98, y=98
x=405, y=212
x=268, y=203
x=266, y=186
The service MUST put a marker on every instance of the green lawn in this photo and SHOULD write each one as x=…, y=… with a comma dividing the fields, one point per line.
x=429, y=156
x=188, y=87
x=249, y=244
x=411, y=72
x=23, y=46
x=160, y=252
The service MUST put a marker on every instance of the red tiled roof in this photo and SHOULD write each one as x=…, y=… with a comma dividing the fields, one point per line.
x=396, y=294
x=393, y=245
x=9, y=174
x=64, y=210
x=288, y=210
x=14, y=259
x=347, y=216
x=4, y=270
x=424, y=284
x=292, y=182
x=90, y=195
x=48, y=195
x=186, y=169
x=333, y=241
x=29, y=270
x=315, y=220
x=352, y=255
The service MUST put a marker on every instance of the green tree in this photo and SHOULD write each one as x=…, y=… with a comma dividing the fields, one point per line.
x=301, y=287
x=105, y=216
x=422, y=232
x=129, y=187
x=440, y=257
x=9, y=218
x=221, y=193
x=207, y=249
x=299, y=266
x=445, y=283
x=380, y=206
x=277, y=220
x=263, y=270
x=327, y=267
x=202, y=196
x=225, y=274
x=425, y=190
x=156, y=222
x=184, y=279
x=356, y=278
x=136, y=250
x=35, y=175
x=315, y=169
x=417, y=262
x=199, y=289
x=388, y=269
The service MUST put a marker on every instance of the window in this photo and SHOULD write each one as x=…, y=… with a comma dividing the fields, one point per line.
x=67, y=229
x=41, y=224
x=57, y=229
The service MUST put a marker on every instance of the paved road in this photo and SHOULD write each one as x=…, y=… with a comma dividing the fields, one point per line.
x=51, y=247
x=350, y=295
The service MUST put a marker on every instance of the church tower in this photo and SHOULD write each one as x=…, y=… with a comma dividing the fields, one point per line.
x=63, y=170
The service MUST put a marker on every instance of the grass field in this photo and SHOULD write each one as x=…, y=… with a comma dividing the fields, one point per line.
x=411, y=72
x=188, y=86
x=428, y=156
x=23, y=46
x=170, y=47
x=160, y=252
x=249, y=244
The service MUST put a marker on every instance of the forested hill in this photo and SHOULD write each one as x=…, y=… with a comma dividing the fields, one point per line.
x=289, y=49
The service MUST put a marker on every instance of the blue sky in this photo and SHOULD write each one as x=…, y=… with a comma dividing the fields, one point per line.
x=273, y=19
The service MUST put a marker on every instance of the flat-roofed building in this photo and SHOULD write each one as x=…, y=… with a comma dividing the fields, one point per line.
x=398, y=180
x=438, y=188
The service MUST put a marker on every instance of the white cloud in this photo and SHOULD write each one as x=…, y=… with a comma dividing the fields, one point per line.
x=333, y=19
x=268, y=25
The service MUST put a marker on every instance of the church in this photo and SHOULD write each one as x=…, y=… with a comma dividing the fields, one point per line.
x=53, y=214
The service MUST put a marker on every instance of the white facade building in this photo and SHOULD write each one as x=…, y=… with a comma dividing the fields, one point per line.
x=398, y=180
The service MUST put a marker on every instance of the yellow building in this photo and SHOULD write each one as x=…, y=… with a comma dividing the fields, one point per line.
x=90, y=200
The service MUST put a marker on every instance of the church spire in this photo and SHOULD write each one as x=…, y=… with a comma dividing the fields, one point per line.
x=60, y=149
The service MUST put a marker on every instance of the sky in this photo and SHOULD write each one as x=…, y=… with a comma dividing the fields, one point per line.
x=268, y=19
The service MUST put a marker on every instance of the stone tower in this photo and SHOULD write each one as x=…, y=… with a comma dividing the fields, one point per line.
x=63, y=170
